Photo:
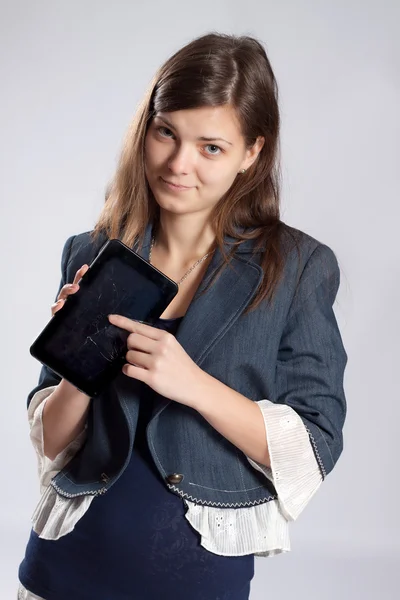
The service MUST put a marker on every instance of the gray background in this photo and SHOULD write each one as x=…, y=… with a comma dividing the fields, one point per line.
x=71, y=76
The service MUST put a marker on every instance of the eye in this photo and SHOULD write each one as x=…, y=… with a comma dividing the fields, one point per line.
x=164, y=131
x=215, y=150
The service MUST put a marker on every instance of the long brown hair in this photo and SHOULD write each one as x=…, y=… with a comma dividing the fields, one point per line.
x=212, y=70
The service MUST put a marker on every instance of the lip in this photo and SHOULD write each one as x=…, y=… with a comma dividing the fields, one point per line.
x=172, y=186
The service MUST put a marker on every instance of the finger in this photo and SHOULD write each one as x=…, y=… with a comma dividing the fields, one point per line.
x=136, y=327
x=67, y=290
x=136, y=372
x=138, y=359
x=137, y=341
x=57, y=306
x=80, y=273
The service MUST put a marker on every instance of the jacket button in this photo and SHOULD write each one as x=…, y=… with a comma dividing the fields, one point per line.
x=174, y=478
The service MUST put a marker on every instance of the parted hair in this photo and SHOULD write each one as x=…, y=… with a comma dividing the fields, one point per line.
x=212, y=70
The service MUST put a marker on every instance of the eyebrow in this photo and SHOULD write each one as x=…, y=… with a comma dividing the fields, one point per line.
x=202, y=139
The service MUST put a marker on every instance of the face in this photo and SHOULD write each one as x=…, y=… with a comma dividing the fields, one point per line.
x=201, y=151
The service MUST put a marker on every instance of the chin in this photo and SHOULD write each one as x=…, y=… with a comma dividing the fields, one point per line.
x=171, y=205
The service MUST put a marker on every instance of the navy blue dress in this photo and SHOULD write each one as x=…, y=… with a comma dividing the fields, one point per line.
x=134, y=543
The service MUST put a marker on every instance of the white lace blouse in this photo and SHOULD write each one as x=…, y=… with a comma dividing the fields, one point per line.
x=261, y=530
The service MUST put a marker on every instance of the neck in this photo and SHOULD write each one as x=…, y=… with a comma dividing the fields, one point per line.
x=183, y=237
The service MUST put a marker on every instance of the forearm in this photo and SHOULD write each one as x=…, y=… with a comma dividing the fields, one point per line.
x=64, y=417
x=234, y=416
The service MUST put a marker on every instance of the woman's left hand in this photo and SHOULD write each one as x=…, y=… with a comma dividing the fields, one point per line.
x=156, y=357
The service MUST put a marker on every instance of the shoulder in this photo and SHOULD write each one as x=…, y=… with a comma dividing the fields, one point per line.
x=311, y=268
x=312, y=256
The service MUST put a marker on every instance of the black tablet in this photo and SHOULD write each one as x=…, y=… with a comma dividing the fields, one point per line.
x=79, y=343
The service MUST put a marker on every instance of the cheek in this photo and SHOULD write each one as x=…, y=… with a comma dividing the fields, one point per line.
x=218, y=175
x=148, y=151
x=153, y=154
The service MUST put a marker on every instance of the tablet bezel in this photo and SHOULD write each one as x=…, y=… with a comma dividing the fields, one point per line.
x=111, y=248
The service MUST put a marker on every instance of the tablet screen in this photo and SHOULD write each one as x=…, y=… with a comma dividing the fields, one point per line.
x=80, y=343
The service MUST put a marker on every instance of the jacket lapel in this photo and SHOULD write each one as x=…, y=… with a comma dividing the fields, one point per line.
x=210, y=315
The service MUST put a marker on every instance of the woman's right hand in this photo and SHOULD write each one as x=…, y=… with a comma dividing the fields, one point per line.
x=68, y=289
x=65, y=410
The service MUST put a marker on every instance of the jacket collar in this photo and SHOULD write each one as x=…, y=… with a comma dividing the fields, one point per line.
x=245, y=247
x=210, y=315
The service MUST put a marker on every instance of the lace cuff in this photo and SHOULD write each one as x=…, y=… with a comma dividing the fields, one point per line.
x=47, y=468
x=294, y=469
x=24, y=594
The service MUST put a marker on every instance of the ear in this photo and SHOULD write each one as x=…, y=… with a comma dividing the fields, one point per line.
x=252, y=153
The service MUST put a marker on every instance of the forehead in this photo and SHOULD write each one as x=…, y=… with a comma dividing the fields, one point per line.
x=207, y=121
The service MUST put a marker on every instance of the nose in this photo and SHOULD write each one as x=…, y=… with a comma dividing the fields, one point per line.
x=181, y=162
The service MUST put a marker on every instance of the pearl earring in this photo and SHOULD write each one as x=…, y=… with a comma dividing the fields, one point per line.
x=243, y=171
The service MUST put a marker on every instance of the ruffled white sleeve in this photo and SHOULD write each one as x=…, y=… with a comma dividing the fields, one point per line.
x=54, y=516
x=47, y=468
x=294, y=469
x=24, y=594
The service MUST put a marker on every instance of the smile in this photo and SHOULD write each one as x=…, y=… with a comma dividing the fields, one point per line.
x=176, y=188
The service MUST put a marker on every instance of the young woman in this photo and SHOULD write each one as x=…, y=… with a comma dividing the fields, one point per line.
x=228, y=413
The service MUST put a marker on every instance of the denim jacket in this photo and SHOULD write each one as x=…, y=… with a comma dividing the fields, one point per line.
x=288, y=351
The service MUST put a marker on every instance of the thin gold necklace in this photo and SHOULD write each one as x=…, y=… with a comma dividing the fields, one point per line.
x=191, y=268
